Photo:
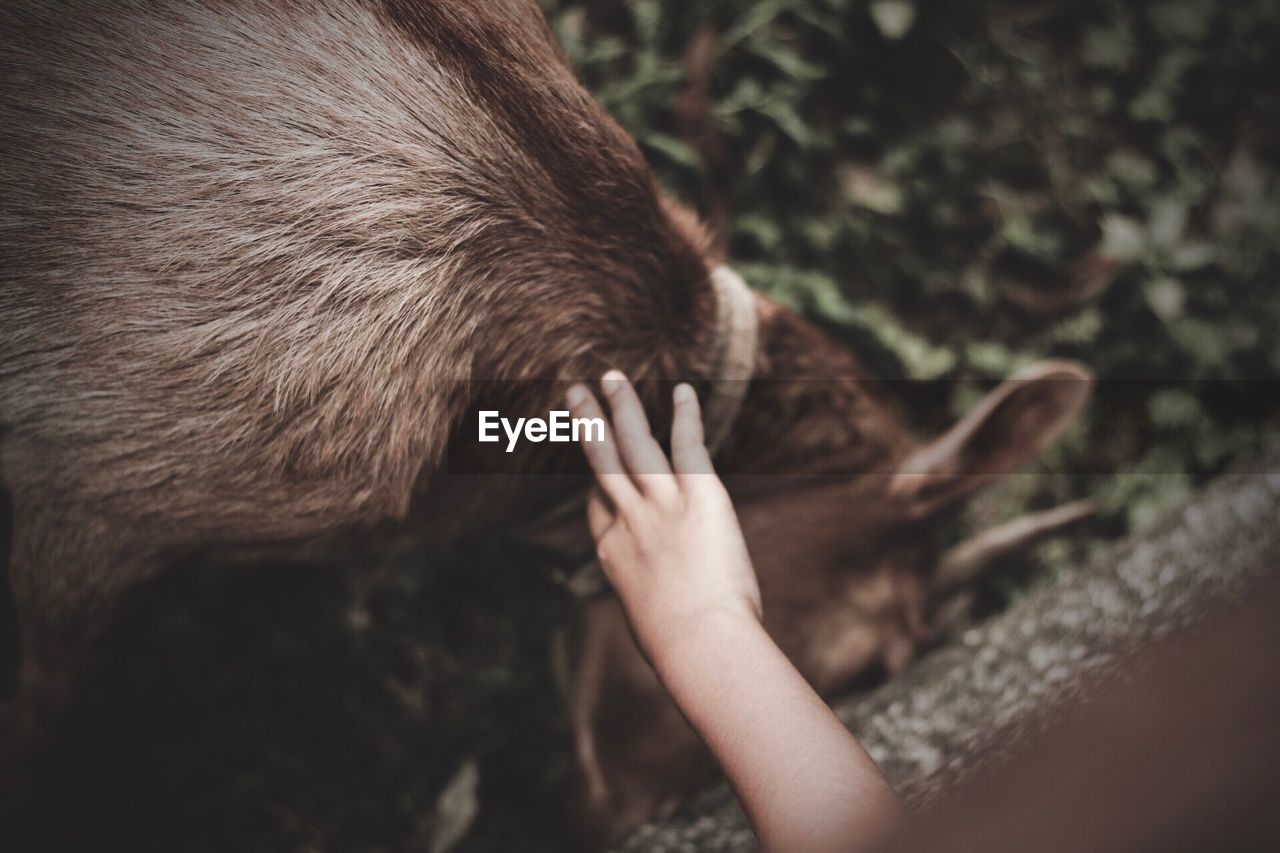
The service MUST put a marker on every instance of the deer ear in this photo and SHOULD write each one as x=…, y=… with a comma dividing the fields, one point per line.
x=1014, y=424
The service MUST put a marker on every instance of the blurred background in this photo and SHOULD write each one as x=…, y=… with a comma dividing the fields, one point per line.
x=954, y=189
x=957, y=188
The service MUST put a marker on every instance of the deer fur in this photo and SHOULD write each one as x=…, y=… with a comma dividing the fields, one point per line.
x=252, y=254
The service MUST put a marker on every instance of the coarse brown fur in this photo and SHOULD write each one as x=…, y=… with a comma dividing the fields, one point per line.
x=253, y=254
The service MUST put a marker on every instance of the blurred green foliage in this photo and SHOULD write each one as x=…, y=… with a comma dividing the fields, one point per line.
x=957, y=188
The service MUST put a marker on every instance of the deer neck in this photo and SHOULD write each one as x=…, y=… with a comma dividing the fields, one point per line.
x=810, y=409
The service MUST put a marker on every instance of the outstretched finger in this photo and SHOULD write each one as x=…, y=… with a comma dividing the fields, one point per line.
x=641, y=453
x=689, y=453
x=600, y=516
x=602, y=455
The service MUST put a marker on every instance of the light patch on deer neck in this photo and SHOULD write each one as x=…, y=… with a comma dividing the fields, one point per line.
x=736, y=346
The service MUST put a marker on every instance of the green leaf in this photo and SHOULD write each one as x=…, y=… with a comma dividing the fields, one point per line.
x=868, y=187
x=1174, y=408
x=786, y=59
x=1166, y=296
x=760, y=228
x=921, y=359
x=1020, y=233
x=1205, y=342
x=1110, y=47
x=1132, y=170
x=1156, y=102
x=1146, y=491
x=756, y=17
x=647, y=15
x=1102, y=190
x=787, y=120
x=1122, y=238
x=1190, y=257
x=1081, y=329
x=747, y=94
x=994, y=359
x=894, y=18
x=1167, y=222
x=675, y=150
x=821, y=20
x=1182, y=19
x=1102, y=99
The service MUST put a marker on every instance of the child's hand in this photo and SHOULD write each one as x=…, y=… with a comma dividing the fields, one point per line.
x=668, y=541
x=671, y=546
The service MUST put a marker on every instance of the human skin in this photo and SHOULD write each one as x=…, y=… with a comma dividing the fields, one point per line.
x=669, y=542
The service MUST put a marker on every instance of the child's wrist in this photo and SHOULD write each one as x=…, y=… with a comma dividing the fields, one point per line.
x=698, y=638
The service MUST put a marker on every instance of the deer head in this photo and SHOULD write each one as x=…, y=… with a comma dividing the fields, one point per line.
x=853, y=580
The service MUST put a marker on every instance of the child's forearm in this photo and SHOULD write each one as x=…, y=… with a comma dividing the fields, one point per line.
x=804, y=781
x=670, y=544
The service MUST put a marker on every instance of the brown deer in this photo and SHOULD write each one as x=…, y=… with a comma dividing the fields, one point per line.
x=252, y=253
x=851, y=576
